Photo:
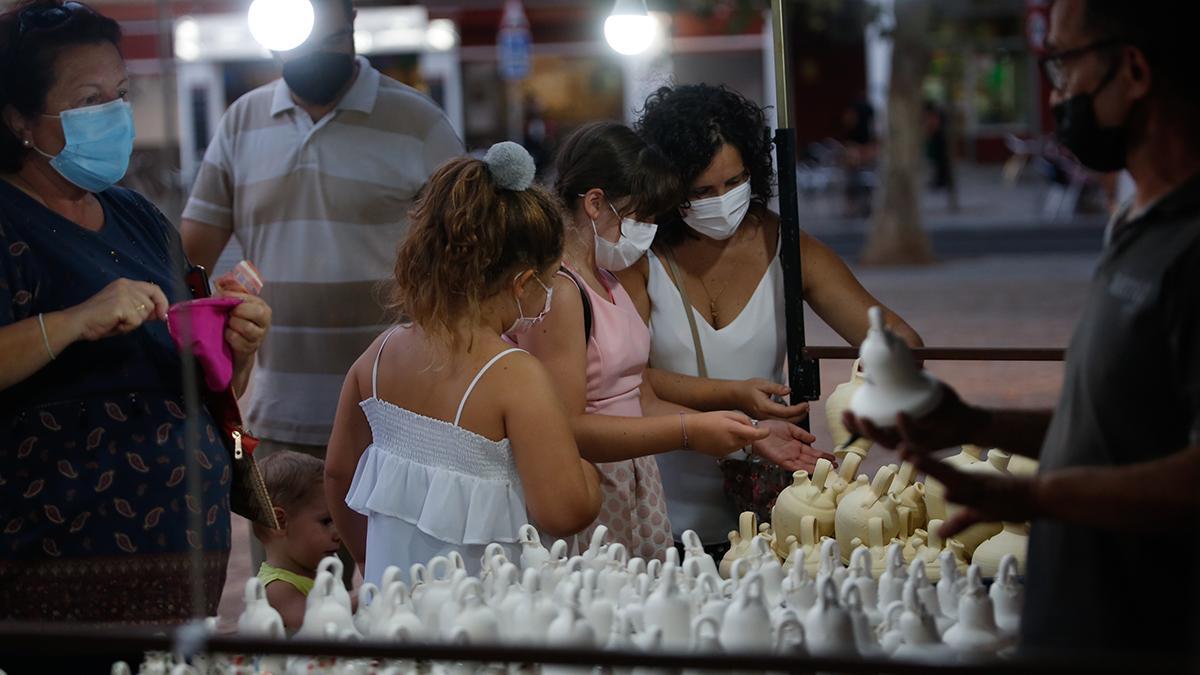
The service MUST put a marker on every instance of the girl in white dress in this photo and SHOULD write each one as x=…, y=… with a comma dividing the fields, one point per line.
x=447, y=439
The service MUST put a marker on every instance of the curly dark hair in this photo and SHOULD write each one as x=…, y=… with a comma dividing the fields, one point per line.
x=691, y=122
x=27, y=60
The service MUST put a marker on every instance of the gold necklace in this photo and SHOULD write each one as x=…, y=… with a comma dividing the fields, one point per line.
x=713, y=312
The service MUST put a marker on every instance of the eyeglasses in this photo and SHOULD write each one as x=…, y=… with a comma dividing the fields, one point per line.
x=39, y=18
x=1052, y=63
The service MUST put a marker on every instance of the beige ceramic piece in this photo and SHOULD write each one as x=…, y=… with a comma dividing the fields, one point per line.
x=875, y=545
x=1012, y=540
x=930, y=551
x=865, y=502
x=739, y=542
x=935, y=492
x=835, y=405
x=805, y=497
x=840, y=482
x=807, y=549
x=972, y=537
x=1022, y=466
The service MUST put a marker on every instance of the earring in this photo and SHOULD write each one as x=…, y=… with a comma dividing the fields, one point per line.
x=28, y=143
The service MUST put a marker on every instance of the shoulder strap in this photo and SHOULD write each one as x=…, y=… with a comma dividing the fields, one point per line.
x=375, y=367
x=587, y=302
x=701, y=369
x=471, y=387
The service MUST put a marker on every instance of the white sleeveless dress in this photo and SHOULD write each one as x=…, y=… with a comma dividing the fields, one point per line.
x=753, y=345
x=428, y=487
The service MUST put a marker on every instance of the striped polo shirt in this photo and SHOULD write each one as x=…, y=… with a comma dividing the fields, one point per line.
x=320, y=208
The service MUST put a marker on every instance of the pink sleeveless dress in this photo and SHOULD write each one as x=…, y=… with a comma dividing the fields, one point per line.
x=634, y=508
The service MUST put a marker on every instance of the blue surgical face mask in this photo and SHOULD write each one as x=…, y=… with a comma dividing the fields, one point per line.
x=99, y=143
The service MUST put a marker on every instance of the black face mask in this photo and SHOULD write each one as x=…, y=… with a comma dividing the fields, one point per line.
x=319, y=77
x=1096, y=147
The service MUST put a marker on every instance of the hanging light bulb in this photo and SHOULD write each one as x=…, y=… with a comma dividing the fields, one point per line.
x=630, y=29
x=281, y=25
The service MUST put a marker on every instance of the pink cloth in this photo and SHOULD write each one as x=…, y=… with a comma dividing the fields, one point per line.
x=634, y=508
x=199, y=325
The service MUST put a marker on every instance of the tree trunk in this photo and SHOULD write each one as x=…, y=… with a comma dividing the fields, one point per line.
x=896, y=237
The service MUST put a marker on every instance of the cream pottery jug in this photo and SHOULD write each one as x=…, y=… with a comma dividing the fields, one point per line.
x=835, y=405
x=475, y=618
x=1022, y=466
x=893, y=383
x=400, y=617
x=739, y=541
x=534, y=613
x=828, y=626
x=861, y=578
x=533, y=553
x=876, y=551
x=799, y=589
x=333, y=565
x=670, y=610
x=693, y=549
x=805, y=497
x=972, y=537
x=935, y=492
x=951, y=585
x=259, y=619
x=911, y=496
x=891, y=582
x=1012, y=540
x=930, y=552
x=841, y=481
x=863, y=503
x=325, y=609
x=1008, y=597
x=747, y=623
x=831, y=564
x=976, y=630
x=864, y=634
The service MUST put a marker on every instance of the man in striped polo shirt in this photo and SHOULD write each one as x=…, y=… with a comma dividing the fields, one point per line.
x=315, y=174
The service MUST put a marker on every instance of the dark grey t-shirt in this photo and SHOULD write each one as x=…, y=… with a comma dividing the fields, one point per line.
x=1131, y=394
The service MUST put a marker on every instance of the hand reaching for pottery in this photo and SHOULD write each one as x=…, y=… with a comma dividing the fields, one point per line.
x=720, y=433
x=951, y=423
x=756, y=398
x=986, y=498
x=789, y=447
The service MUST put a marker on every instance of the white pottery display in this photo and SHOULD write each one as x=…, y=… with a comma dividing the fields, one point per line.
x=747, y=623
x=865, y=639
x=693, y=548
x=1012, y=540
x=831, y=564
x=474, y=618
x=935, y=492
x=890, y=635
x=860, y=505
x=333, y=565
x=828, y=626
x=1008, y=597
x=668, y=609
x=400, y=617
x=862, y=578
x=919, y=631
x=835, y=405
x=259, y=618
x=976, y=630
x=894, y=384
x=326, y=610
x=805, y=497
x=891, y=581
x=799, y=589
x=533, y=553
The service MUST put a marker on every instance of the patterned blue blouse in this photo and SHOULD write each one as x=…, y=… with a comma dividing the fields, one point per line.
x=94, y=512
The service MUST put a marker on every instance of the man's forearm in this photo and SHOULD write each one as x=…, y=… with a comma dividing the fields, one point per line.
x=1019, y=431
x=1144, y=497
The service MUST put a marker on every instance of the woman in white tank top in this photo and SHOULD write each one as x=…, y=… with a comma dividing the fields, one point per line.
x=725, y=245
x=445, y=438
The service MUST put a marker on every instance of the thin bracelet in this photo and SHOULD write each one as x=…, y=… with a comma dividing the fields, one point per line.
x=683, y=431
x=46, y=338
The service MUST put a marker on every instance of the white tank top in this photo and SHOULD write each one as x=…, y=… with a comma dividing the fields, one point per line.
x=753, y=345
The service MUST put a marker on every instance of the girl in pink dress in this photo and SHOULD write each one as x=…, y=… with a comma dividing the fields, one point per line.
x=596, y=345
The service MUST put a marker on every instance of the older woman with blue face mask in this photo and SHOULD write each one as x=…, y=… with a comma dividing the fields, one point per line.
x=96, y=523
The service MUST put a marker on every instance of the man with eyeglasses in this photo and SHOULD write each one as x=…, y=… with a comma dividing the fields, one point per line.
x=315, y=174
x=1113, y=564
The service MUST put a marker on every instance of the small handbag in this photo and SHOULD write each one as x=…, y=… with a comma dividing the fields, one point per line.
x=248, y=495
x=750, y=484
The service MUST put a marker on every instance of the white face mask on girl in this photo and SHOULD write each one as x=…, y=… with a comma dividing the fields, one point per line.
x=635, y=239
x=719, y=217
x=523, y=323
